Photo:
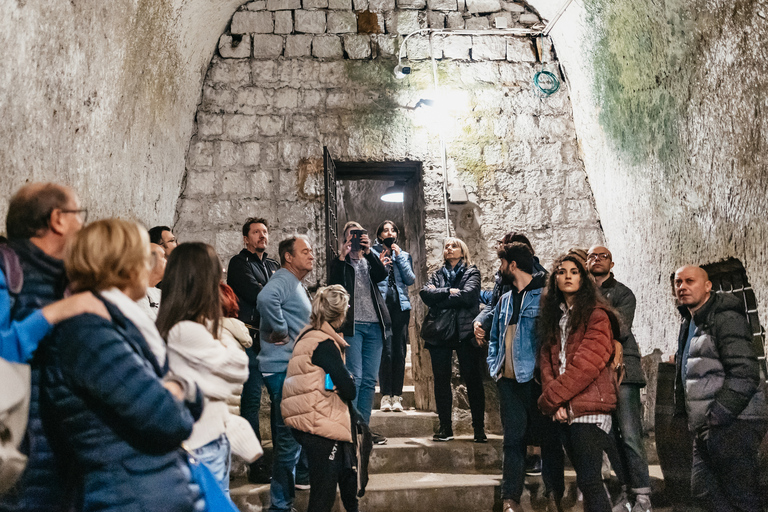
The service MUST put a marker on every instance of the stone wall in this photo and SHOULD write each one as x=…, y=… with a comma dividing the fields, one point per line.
x=290, y=78
x=672, y=129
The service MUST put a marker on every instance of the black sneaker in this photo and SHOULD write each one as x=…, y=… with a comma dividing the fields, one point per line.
x=533, y=465
x=443, y=434
x=259, y=474
x=378, y=438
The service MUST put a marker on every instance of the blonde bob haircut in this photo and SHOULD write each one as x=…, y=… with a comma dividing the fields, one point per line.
x=462, y=246
x=351, y=225
x=105, y=254
x=329, y=305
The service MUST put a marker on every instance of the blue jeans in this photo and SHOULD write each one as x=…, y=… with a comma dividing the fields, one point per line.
x=285, y=449
x=630, y=439
x=217, y=456
x=250, y=401
x=363, y=361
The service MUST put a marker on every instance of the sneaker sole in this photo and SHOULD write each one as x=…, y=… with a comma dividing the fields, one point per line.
x=442, y=439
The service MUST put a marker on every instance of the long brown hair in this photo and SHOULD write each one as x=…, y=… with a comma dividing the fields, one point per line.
x=585, y=300
x=191, y=288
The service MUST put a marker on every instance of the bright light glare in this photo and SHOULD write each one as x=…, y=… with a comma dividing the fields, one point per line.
x=446, y=106
x=392, y=197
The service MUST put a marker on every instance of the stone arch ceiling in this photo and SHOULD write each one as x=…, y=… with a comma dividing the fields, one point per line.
x=103, y=95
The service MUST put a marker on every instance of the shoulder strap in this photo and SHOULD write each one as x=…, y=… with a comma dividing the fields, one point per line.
x=11, y=267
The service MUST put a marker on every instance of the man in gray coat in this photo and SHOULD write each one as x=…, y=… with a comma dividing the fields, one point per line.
x=720, y=384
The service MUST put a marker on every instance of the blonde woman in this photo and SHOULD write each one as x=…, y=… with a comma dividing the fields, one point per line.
x=453, y=294
x=317, y=393
x=120, y=423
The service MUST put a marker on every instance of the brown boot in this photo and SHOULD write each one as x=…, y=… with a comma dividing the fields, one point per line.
x=511, y=506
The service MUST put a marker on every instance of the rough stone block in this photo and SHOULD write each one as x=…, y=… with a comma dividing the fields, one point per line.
x=493, y=155
x=283, y=22
x=298, y=45
x=241, y=128
x=315, y=4
x=283, y=5
x=235, y=182
x=454, y=20
x=310, y=22
x=477, y=23
x=252, y=22
x=270, y=125
x=381, y=5
x=303, y=126
x=327, y=47
x=403, y=22
x=248, y=154
x=329, y=124
x=312, y=98
x=209, y=126
x=357, y=46
x=417, y=48
x=520, y=50
x=547, y=50
x=199, y=183
x=226, y=155
x=339, y=99
x=385, y=44
x=489, y=48
x=512, y=7
x=256, y=5
x=287, y=97
x=443, y=5
x=200, y=154
x=231, y=72
x=411, y=4
x=340, y=4
x=262, y=184
x=267, y=46
x=529, y=19
x=360, y=5
x=235, y=47
x=342, y=22
x=457, y=47
x=216, y=98
x=483, y=6
x=436, y=19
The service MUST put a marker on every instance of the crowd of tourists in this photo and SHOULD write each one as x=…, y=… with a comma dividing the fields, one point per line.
x=147, y=369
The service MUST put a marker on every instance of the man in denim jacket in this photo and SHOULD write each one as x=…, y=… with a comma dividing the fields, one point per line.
x=512, y=354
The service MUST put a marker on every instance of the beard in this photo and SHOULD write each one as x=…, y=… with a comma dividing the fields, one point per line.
x=507, y=279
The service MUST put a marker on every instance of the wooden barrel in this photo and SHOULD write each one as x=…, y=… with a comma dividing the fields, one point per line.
x=674, y=443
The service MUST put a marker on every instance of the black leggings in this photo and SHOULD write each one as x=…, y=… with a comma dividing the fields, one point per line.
x=329, y=464
x=392, y=370
x=470, y=367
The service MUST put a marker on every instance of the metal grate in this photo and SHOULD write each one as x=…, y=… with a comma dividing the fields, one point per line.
x=331, y=221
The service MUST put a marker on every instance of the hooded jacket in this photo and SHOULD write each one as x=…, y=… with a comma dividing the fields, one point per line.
x=306, y=405
x=723, y=381
x=588, y=384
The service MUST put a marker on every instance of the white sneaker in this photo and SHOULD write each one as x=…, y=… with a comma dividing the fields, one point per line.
x=397, y=404
x=386, y=404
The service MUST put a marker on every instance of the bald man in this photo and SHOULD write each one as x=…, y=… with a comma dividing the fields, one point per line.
x=719, y=383
x=629, y=410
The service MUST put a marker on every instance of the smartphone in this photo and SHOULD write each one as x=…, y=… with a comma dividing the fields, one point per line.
x=357, y=235
x=328, y=382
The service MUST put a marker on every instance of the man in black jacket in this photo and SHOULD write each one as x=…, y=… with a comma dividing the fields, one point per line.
x=247, y=274
x=629, y=410
x=719, y=382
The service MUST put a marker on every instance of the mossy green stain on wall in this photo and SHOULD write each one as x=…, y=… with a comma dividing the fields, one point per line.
x=641, y=54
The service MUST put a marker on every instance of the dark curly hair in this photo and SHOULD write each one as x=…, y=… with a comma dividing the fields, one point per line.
x=586, y=299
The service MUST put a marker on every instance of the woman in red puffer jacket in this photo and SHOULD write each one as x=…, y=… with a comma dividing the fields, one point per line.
x=578, y=384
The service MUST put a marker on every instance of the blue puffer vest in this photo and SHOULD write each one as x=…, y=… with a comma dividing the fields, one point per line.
x=40, y=487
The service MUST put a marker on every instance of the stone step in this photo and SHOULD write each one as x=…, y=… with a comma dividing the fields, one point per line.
x=409, y=423
x=409, y=399
x=460, y=455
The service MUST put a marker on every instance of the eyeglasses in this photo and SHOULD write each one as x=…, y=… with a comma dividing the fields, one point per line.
x=599, y=256
x=82, y=212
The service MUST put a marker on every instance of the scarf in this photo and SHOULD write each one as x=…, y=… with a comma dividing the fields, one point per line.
x=139, y=318
x=451, y=273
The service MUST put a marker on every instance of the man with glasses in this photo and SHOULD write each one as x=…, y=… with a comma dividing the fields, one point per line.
x=629, y=408
x=163, y=236
x=42, y=219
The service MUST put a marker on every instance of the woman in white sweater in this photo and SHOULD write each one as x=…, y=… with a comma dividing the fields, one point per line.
x=190, y=321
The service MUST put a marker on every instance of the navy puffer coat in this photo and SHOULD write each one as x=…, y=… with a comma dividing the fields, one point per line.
x=117, y=424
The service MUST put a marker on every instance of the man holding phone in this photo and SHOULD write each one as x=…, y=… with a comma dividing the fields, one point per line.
x=368, y=324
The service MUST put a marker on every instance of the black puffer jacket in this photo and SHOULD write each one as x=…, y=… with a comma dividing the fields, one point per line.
x=723, y=381
x=467, y=301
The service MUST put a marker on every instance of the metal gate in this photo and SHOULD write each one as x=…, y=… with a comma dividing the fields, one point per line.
x=331, y=222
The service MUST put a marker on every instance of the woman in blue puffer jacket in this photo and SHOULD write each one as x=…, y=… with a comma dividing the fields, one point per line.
x=119, y=424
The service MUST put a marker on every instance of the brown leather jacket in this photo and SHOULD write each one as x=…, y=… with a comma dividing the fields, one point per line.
x=588, y=384
x=306, y=404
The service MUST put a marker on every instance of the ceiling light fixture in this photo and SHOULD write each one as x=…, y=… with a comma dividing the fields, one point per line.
x=394, y=194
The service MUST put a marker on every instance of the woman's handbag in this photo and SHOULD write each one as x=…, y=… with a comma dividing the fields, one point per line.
x=214, y=497
x=441, y=326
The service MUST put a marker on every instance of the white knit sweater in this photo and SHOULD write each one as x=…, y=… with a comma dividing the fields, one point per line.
x=218, y=369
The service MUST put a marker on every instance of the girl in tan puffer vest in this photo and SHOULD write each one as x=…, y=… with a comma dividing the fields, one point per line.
x=318, y=410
